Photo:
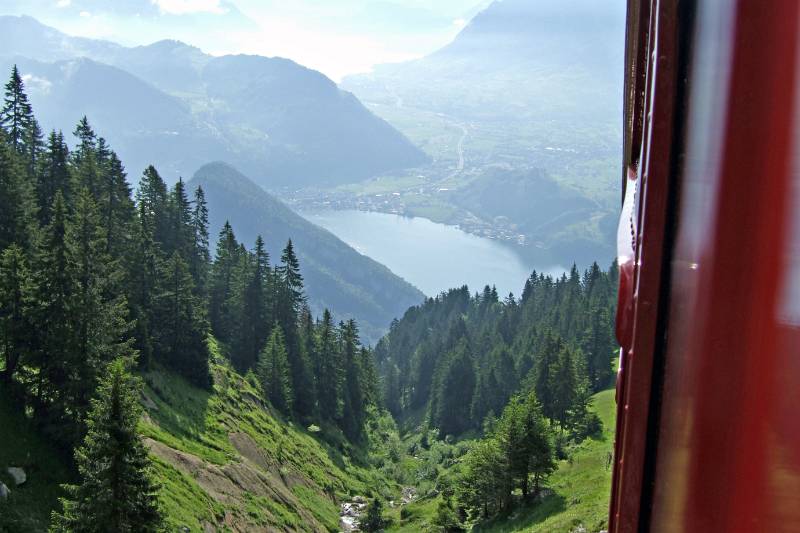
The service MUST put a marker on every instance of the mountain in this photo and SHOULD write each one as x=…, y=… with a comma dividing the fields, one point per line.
x=336, y=276
x=284, y=124
x=142, y=123
x=550, y=59
x=528, y=89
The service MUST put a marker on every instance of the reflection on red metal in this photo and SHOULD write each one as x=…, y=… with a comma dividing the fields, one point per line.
x=708, y=430
x=625, y=259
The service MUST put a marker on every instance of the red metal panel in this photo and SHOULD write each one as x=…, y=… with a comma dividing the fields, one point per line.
x=729, y=444
x=638, y=314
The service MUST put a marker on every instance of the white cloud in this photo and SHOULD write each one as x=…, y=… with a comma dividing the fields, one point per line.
x=36, y=84
x=63, y=3
x=85, y=14
x=335, y=54
x=183, y=7
x=459, y=23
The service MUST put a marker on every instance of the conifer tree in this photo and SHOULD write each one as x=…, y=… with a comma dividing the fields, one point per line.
x=101, y=330
x=371, y=385
x=16, y=294
x=303, y=382
x=181, y=337
x=85, y=158
x=116, y=492
x=117, y=211
x=255, y=329
x=17, y=205
x=182, y=229
x=374, y=520
x=143, y=279
x=33, y=147
x=54, y=317
x=330, y=377
x=453, y=392
x=598, y=346
x=202, y=258
x=152, y=199
x=53, y=177
x=545, y=364
x=273, y=372
x=16, y=117
x=223, y=285
x=564, y=383
x=289, y=300
x=354, y=404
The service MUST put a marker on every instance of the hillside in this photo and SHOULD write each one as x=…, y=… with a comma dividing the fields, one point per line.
x=575, y=495
x=336, y=276
x=224, y=458
x=282, y=123
x=143, y=123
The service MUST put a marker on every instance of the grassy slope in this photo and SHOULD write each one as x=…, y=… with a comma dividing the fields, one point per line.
x=222, y=457
x=238, y=465
x=581, y=489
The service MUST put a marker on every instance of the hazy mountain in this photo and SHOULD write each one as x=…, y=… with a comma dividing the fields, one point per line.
x=142, y=124
x=544, y=59
x=532, y=87
x=336, y=276
x=284, y=124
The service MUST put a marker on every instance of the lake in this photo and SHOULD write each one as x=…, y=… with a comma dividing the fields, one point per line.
x=433, y=257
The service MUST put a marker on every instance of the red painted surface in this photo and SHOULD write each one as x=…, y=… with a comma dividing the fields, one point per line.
x=640, y=275
x=727, y=450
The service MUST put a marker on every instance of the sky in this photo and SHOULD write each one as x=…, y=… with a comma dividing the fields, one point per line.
x=336, y=37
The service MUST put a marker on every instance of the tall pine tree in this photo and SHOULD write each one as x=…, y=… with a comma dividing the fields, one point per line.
x=116, y=492
x=273, y=372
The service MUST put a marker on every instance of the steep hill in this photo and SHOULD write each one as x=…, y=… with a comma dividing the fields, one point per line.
x=284, y=124
x=224, y=459
x=336, y=276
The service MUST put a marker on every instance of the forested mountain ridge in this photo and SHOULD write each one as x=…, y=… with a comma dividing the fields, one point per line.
x=336, y=276
x=282, y=123
x=458, y=358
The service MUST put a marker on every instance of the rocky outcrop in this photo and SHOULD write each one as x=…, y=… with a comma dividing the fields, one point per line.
x=229, y=484
x=18, y=474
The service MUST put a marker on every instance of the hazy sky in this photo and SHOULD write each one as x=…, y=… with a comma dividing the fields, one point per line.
x=337, y=37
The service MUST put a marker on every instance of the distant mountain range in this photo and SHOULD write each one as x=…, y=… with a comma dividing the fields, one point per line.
x=336, y=276
x=171, y=105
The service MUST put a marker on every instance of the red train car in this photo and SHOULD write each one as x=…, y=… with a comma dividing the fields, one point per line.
x=708, y=430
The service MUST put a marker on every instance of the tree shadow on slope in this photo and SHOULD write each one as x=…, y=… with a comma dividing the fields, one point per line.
x=181, y=411
x=28, y=506
x=525, y=515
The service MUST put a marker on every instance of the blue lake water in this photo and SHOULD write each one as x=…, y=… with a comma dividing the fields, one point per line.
x=433, y=257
